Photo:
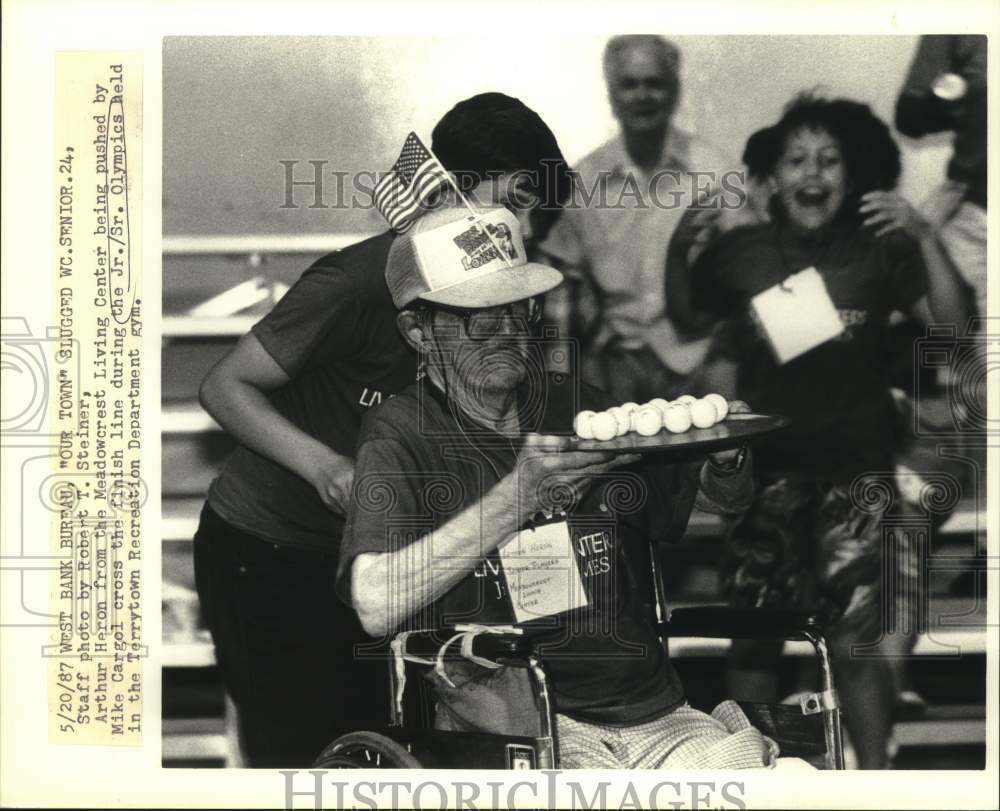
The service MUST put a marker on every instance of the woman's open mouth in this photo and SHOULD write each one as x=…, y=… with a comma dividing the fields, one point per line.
x=812, y=196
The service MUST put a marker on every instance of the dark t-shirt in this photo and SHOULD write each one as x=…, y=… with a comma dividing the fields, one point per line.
x=920, y=112
x=334, y=334
x=836, y=394
x=419, y=464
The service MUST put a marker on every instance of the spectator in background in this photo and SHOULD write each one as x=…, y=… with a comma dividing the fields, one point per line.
x=945, y=91
x=611, y=240
x=846, y=251
x=293, y=392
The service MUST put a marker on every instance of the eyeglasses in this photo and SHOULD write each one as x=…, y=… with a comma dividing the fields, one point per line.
x=483, y=324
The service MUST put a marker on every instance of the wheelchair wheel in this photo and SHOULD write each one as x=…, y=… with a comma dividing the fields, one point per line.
x=366, y=750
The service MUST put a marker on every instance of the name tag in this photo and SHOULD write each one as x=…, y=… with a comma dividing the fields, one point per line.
x=797, y=315
x=541, y=572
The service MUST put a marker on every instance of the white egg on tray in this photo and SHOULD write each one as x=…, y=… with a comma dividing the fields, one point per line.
x=604, y=426
x=677, y=419
x=660, y=403
x=721, y=404
x=648, y=421
x=704, y=413
x=621, y=418
x=582, y=424
x=652, y=424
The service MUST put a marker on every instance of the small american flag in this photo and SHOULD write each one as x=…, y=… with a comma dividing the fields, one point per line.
x=414, y=177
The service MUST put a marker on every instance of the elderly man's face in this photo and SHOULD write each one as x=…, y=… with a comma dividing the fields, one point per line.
x=491, y=348
x=641, y=89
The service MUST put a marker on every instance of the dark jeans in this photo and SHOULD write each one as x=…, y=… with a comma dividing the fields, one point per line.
x=285, y=645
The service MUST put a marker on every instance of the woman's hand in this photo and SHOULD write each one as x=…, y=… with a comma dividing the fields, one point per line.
x=949, y=298
x=893, y=212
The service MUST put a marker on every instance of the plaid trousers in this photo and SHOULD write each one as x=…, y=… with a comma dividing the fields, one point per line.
x=685, y=738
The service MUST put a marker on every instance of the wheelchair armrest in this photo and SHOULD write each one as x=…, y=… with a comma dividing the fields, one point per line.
x=505, y=649
x=724, y=622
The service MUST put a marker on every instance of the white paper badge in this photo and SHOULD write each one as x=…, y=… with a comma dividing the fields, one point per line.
x=541, y=572
x=797, y=315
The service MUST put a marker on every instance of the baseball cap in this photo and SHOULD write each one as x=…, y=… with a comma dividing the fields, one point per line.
x=448, y=258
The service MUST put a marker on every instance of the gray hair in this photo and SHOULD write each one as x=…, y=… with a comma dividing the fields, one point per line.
x=667, y=53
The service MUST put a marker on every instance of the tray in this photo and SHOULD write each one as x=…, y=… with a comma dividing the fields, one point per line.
x=733, y=431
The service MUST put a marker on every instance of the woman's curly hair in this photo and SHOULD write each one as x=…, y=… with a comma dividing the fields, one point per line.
x=871, y=156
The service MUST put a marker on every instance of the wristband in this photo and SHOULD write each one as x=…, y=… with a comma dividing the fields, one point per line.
x=734, y=466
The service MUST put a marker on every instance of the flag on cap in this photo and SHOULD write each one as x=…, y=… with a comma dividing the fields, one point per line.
x=414, y=177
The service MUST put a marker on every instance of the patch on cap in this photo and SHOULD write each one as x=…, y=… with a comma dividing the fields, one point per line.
x=453, y=258
x=467, y=249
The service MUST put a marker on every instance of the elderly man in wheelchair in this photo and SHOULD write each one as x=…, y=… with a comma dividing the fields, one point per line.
x=515, y=568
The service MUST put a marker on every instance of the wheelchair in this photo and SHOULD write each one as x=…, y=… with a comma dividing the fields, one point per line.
x=810, y=731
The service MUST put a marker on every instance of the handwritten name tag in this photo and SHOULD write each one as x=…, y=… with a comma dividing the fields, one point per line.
x=541, y=572
x=797, y=315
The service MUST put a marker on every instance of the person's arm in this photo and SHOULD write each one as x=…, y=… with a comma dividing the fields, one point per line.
x=918, y=111
x=313, y=325
x=726, y=484
x=726, y=488
x=388, y=587
x=696, y=228
x=949, y=300
x=234, y=393
x=720, y=485
x=718, y=206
